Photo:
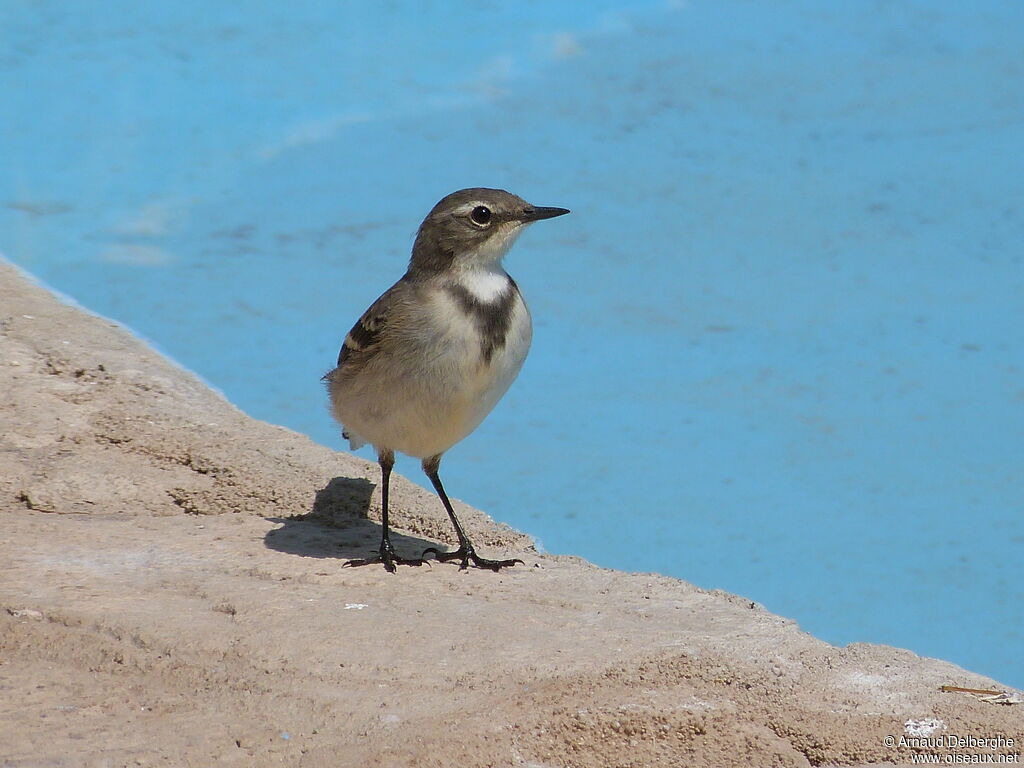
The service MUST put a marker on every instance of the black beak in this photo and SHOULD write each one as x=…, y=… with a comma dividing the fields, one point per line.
x=536, y=213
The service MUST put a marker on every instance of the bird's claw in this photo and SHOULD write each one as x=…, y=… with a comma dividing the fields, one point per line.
x=467, y=555
x=387, y=558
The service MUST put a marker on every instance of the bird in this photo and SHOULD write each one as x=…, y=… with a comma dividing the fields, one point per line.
x=431, y=357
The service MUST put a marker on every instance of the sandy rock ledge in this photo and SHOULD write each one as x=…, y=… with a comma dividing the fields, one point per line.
x=172, y=594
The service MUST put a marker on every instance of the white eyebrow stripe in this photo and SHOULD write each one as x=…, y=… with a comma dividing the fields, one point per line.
x=465, y=210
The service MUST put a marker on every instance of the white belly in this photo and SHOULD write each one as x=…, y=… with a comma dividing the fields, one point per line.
x=422, y=405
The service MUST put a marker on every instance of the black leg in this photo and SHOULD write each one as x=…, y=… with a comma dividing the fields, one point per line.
x=386, y=554
x=465, y=554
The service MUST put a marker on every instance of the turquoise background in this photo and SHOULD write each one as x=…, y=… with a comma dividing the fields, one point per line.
x=778, y=344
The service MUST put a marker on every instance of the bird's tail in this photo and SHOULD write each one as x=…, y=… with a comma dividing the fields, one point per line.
x=355, y=442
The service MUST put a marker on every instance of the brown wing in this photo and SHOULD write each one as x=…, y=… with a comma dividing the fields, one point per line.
x=364, y=339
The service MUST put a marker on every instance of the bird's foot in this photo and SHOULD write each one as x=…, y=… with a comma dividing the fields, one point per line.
x=467, y=556
x=386, y=556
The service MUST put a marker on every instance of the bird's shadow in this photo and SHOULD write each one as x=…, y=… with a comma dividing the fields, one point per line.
x=337, y=526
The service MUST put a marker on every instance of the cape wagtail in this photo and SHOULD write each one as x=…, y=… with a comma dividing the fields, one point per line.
x=433, y=355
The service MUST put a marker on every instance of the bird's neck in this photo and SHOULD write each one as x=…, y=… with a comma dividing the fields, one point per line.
x=487, y=284
x=433, y=255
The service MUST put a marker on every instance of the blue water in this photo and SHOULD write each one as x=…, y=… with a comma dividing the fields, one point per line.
x=779, y=343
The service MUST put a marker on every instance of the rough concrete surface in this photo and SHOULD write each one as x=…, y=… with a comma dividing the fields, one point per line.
x=172, y=593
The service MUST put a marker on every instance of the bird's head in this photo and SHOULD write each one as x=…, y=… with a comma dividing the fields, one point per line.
x=473, y=228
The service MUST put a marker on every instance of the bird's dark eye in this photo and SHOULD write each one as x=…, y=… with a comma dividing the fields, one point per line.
x=481, y=216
